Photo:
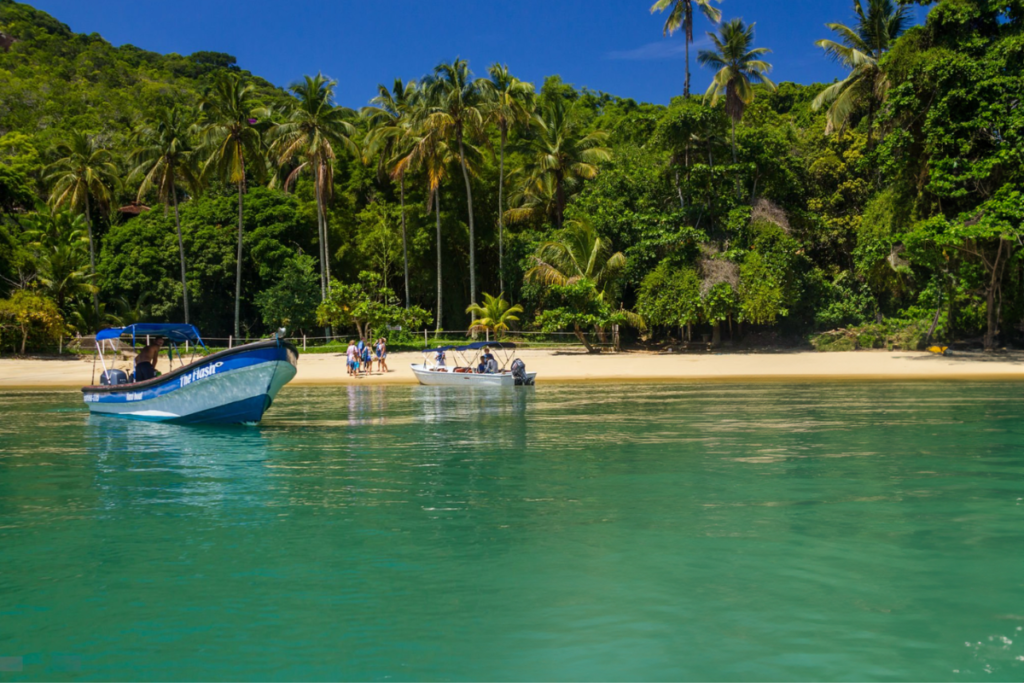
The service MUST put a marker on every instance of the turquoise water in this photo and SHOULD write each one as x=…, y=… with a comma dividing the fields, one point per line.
x=747, y=532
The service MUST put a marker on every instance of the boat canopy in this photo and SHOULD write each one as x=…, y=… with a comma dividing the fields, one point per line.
x=178, y=333
x=474, y=346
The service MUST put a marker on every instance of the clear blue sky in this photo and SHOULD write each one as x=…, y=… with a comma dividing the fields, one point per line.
x=610, y=45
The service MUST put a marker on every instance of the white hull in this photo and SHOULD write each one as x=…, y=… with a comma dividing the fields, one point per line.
x=445, y=377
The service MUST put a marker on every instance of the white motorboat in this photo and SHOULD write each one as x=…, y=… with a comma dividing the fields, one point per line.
x=478, y=369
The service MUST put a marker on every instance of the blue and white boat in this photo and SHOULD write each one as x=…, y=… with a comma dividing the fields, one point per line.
x=233, y=386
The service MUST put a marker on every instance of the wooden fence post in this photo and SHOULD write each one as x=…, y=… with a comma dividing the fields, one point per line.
x=231, y=338
x=303, y=342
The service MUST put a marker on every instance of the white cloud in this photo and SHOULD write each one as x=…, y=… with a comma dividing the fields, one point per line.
x=669, y=48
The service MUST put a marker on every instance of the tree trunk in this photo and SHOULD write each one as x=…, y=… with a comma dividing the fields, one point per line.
x=559, y=200
x=92, y=261
x=321, y=229
x=716, y=333
x=405, y=251
x=737, y=181
x=990, y=330
x=327, y=244
x=501, y=219
x=686, y=85
x=472, y=230
x=320, y=239
x=181, y=252
x=679, y=191
x=24, y=338
x=733, y=140
x=583, y=338
x=437, y=210
x=991, y=307
x=238, y=269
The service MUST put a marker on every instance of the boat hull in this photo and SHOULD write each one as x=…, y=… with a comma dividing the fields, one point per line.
x=229, y=387
x=447, y=378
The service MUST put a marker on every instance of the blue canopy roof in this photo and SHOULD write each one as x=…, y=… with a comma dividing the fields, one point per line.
x=178, y=333
x=476, y=345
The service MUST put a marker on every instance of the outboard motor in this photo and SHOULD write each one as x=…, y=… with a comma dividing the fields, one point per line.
x=113, y=377
x=519, y=372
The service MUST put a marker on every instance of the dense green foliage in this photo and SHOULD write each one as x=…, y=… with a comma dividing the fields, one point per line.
x=890, y=202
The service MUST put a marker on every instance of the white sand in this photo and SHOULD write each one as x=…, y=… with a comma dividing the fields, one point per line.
x=576, y=366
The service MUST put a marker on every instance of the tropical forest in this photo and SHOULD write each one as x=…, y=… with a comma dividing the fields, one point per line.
x=881, y=210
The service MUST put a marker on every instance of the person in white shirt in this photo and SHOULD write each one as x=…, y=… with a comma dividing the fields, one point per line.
x=352, y=355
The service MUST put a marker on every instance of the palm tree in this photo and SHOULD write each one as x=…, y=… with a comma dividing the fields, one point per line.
x=129, y=313
x=509, y=103
x=536, y=200
x=559, y=149
x=314, y=127
x=738, y=69
x=680, y=17
x=165, y=158
x=434, y=156
x=233, y=142
x=454, y=112
x=860, y=50
x=390, y=134
x=62, y=254
x=577, y=253
x=494, y=315
x=83, y=170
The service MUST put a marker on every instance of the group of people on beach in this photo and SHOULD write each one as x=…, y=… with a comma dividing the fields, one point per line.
x=360, y=357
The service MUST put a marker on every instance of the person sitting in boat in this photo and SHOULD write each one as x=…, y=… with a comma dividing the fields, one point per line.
x=145, y=361
x=439, y=360
x=488, y=364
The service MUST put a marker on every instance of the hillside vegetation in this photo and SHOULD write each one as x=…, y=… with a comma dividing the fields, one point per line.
x=884, y=210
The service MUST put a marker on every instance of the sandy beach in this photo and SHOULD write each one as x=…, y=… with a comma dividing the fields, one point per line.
x=576, y=366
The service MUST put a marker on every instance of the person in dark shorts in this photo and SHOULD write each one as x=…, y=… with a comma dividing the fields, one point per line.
x=145, y=362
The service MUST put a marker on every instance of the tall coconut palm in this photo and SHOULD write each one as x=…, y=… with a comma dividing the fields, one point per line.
x=680, y=18
x=560, y=149
x=508, y=104
x=431, y=154
x=313, y=128
x=235, y=147
x=739, y=68
x=164, y=159
x=577, y=253
x=391, y=133
x=860, y=50
x=84, y=171
x=454, y=112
